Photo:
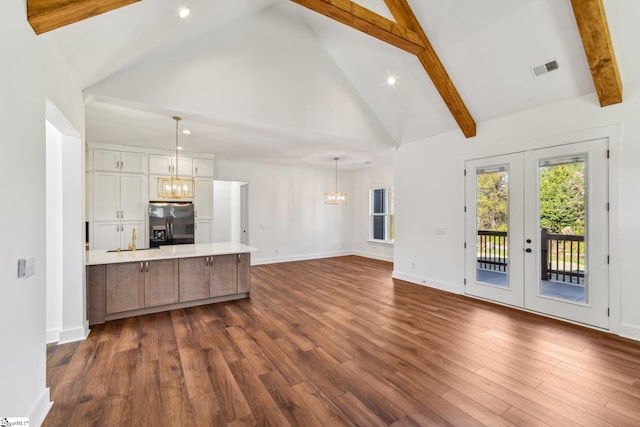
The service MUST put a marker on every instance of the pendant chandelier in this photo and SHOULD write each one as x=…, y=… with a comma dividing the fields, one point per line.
x=175, y=187
x=336, y=197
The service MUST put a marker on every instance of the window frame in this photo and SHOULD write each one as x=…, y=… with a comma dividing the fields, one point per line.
x=387, y=214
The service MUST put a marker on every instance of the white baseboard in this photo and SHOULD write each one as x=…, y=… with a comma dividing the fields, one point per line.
x=292, y=258
x=53, y=335
x=75, y=334
x=40, y=408
x=371, y=255
x=443, y=286
x=629, y=331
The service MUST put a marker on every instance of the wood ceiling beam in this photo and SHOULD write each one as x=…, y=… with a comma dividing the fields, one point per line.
x=403, y=14
x=47, y=15
x=362, y=19
x=407, y=34
x=596, y=40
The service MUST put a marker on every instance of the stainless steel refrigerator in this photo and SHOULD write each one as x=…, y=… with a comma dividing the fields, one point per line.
x=170, y=223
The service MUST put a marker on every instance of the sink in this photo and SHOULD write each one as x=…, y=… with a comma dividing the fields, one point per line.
x=129, y=250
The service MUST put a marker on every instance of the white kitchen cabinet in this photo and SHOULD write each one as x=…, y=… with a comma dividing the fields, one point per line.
x=203, y=230
x=106, y=196
x=119, y=196
x=119, y=161
x=203, y=202
x=112, y=235
x=160, y=164
x=105, y=235
x=203, y=168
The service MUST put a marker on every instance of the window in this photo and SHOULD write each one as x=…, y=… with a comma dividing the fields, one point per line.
x=381, y=213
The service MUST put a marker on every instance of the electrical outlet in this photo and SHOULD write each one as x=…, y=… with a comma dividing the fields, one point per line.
x=413, y=265
x=276, y=250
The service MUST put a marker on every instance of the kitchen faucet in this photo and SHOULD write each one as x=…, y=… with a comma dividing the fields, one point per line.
x=132, y=245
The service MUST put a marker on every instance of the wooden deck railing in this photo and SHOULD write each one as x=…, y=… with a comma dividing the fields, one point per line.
x=561, y=257
x=492, y=250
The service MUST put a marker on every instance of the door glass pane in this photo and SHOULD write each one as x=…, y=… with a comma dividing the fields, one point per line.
x=492, y=213
x=563, y=254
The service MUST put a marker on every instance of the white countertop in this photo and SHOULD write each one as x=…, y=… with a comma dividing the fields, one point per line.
x=96, y=257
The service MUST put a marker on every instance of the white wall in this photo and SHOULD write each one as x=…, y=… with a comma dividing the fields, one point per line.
x=362, y=181
x=221, y=211
x=54, y=232
x=31, y=69
x=288, y=219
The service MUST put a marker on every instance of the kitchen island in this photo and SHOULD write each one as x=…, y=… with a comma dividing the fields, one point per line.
x=130, y=283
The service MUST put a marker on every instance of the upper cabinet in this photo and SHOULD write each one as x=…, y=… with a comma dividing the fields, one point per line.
x=119, y=161
x=160, y=164
x=203, y=168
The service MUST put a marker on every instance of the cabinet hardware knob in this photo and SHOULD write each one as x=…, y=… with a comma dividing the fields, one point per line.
x=528, y=250
x=147, y=266
x=141, y=268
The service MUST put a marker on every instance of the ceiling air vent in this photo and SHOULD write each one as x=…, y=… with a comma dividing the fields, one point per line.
x=544, y=68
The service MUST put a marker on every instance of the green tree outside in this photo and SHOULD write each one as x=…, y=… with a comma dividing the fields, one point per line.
x=562, y=201
x=562, y=198
x=492, y=201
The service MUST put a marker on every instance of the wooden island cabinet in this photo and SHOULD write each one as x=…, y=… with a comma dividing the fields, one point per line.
x=163, y=279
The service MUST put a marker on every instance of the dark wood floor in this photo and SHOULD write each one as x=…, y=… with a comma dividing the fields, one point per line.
x=338, y=342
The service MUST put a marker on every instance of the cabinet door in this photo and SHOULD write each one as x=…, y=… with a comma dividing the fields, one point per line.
x=133, y=197
x=244, y=272
x=106, y=196
x=161, y=282
x=203, y=231
x=106, y=160
x=224, y=275
x=203, y=202
x=203, y=168
x=185, y=166
x=124, y=287
x=126, y=234
x=194, y=278
x=160, y=164
x=105, y=235
x=133, y=162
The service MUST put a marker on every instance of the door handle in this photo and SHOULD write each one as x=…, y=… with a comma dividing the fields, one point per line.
x=528, y=250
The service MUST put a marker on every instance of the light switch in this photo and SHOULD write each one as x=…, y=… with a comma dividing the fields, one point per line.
x=26, y=267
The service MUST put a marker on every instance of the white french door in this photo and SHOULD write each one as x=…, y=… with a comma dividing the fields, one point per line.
x=537, y=231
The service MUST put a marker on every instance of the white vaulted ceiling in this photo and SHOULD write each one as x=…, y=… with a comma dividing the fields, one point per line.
x=271, y=80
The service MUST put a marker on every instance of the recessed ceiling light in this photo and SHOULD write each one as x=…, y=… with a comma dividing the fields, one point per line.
x=186, y=132
x=184, y=12
x=178, y=147
x=391, y=80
